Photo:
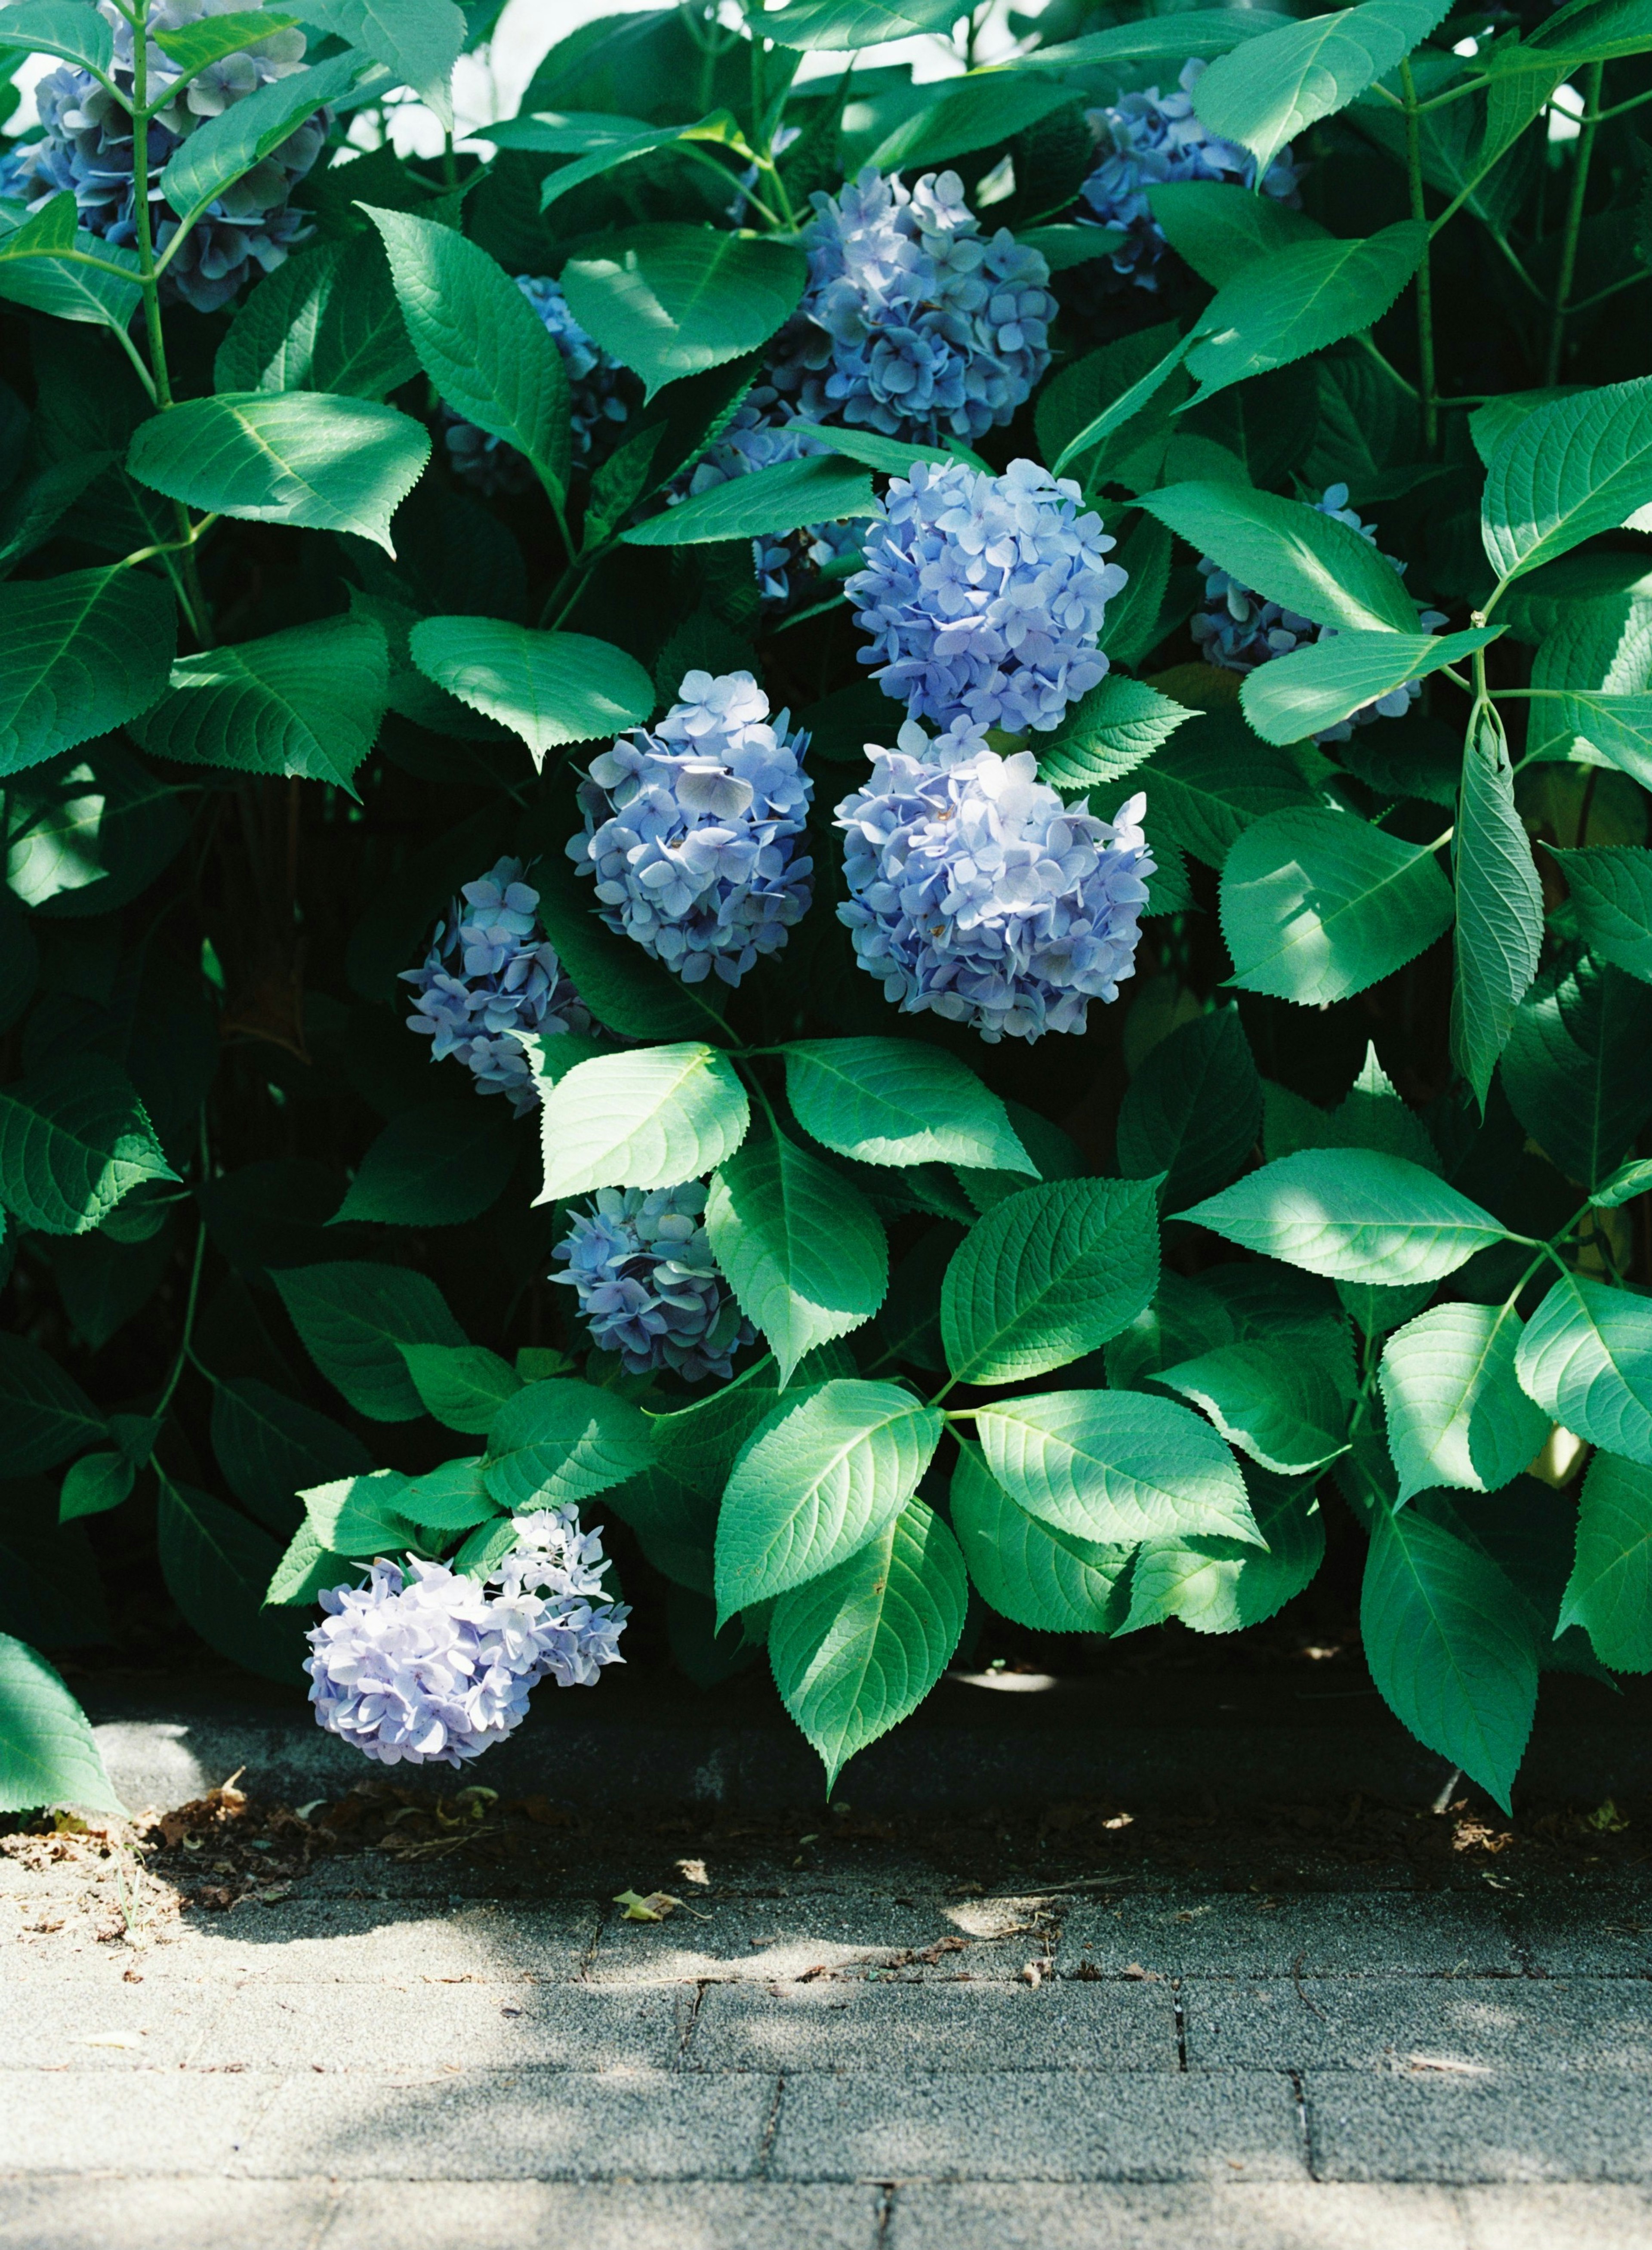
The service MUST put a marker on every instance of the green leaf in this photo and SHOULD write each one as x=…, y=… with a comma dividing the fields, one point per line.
x=480, y=341
x=1291, y=553
x=306, y=1570
x=360, y=1515
x=1627, y=1182
x=602, y=143
x=1574, y=1069
x=624, y=989
x=221, y=148
x=1618, y=728
x=450, y=1498
x=1047, y=1275
x=1610, y=1592
x=856, y=1651
x=48, y=1752
x=1319, y=685
x=810, y=24
x=312, y=458
x=1193, y=1110
x=1217, y=1585
x=1587, y=1359
x=35, y=272
x=1115, y=1466
x=975, y=112
x=326, y=319
x=1122, y=410
x=94, y=1484
x=1450, y=1647
x=817, y=489
x=1264, y=93
x=65, y=28
x=650, y=1119
x=270, y=1448
x=551, y=688
x=217, y=1566
x=896, y=1101
x=463, y=1385
x=438, y=1164
x=1571, y=468
x=556, y=1442
x=1053, y=1583
x=1222, y=230
x=671, y=300
x=352, y=1317
x=80, y=654
x=1353, y=1215
x=1286, y=1403
x=1317, y=904
x=800, y=1249
x=894, y=456
x=419, y=43
x=196, y=46
x=46, y=1414
x=1207, y=788
x=1108, y=732
x=821, y=1476
x=1297, y=300
x=1135, y=623
x=1499, y=933
x=74, y=1138
x=1457, y=1414
x=305, y=703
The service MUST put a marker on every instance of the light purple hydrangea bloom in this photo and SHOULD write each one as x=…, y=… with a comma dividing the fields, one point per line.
x=1146, y=139
x=603, y=391
x=490, y=978
x=649, y=1287
x=914, y=322
x=423, y=1665
x=974, y=891
x=87, y=146
x=1242, y=628
x=757, y=438
x=692, y=830
x=983, y=597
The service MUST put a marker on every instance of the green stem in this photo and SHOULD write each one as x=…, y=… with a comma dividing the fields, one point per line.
x=1587, y=304
x=1573, y=228
x=1388, y=367
x=1425, y=279
x=183, y=1353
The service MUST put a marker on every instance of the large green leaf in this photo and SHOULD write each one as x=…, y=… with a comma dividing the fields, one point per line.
x=65, y=28
x=649, y=1119
x=1499, y=928
x=419, y=43
x=326, y=319
x=669, y=301
x=1115, y=1466
x=1611, y=887
x=600, y=144
x=307, y=703
x=1297, y=557
x=74, y=1138
x=1051, y=1581
x=625, y=991
x=1457, y=1414
x=1266, y=92
x=221, y=148
x=823, y=1475
x=1193, y=1110
x=1610, y=1592
x=1574, y=1069
x=1285, y=1401
x=48, y=1752
x=551, y=688
x=44, y=265
x=896, y=1101
x=1353, y=1215
x=816, y=489
x=856, y=1651
x=1615, y=728
x=1317, y=904
x=217, y=1566
x=1587, y=1358
x=809, y=23
x=556, y=1442
x=1213, y=1584
x=1297, y=300
x=46, y=1414
x=353, y=1316
x=80, y=654
x=270, y=1448
x=1319, y=685
x=1221, y=229
x=1571, y=468
x=436, y=1164
x=1208, y=785
x=463, y=1385
x=195, y=46
x=1047, y=1275
x=1108, y=734
x=325, y=461
x=976, y=111
x=800, y=1247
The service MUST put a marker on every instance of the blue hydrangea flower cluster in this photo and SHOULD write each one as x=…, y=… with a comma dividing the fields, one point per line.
x=1146, y=139
x=975, y=893
x=423, y=1665
x=604, y=393
x=85, y=145
x=914, y=322
x=784, y=560
x=1241, y=629
x=983, y=597
x=491, y=977
x=649, y=1287
x=692, y=830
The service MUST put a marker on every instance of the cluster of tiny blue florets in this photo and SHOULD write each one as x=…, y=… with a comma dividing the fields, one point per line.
x=490, y=978
x=974, y=891
x=424, y=1665
x=603, y=392
x=983, y=597
x=754, y=440
x=649, y=1286
x=1146, y=139
x=85, y=145
x=692, y=830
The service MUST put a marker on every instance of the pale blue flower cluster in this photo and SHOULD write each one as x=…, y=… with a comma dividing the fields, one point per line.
x=603, y=391
x=649, y=1286
x=975, y=893
x=983, y=597
x=783, y=561
x=692, y=830
x=490, y=978
x=1146, y=139
x=85, y=145
x=914, y=322
x=424, y=1665
x=1242, y=628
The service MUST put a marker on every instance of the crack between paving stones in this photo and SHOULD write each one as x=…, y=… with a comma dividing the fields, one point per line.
x=765, y=2146
x=588, y=1958
x=1302, y=2126
x=689, y=2028
x=324, y=2224
x=1182, y=2026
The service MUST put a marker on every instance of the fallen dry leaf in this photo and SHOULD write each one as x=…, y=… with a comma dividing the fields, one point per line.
x=654, y=1908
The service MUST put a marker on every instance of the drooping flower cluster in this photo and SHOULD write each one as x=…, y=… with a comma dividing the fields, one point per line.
x=752, y=441
x=914, y=322
x=974, y=891
x=604, y=393
x=424, y=1665
x=692, y=830
x=87, y=146
x=490, y=978
x=1146, y=139
x=649, y=1285
x=984, y=596
x=1242, y=628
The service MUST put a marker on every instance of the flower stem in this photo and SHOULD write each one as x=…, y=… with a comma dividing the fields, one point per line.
x=1574, y=226
x=1425, y=279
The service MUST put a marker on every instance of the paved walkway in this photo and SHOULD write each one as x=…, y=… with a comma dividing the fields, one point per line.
x=823, y=2048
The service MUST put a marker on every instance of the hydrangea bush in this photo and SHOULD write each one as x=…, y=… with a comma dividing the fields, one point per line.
x=1072, y=1015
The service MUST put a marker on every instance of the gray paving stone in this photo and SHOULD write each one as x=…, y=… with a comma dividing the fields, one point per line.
x=1418, y=2023
x=1557, y=2217
x=158, y=2121
x=265, y=2026
x=1506, y=2125
x=729, y=1939
x=1226, y=1933
x=832, y=2026
x=109, y=2025
x=1586, y=1929
x=1288, y=2215
x=540, y=2215
x=1032, y=2125
x=163, y=2214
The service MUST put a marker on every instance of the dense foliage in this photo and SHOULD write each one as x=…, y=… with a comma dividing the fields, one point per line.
x=897, y=833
